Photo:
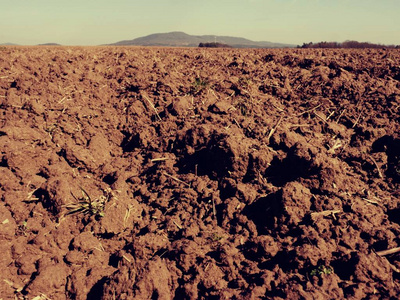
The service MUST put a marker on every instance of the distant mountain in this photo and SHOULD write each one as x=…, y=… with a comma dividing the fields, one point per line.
x=49, y=44
x=46, y=44
x=181, y=39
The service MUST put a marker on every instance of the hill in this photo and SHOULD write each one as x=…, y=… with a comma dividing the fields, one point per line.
x=50, y=44
x=181, y=39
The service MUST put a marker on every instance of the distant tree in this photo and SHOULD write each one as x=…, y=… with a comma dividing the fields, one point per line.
x=307, y=45
x=214, y=45
x=346, y=44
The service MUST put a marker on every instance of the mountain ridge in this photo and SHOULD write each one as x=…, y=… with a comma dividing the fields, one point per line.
x=182, y=39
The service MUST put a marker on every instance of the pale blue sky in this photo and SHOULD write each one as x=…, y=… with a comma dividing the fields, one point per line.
x=94, y=22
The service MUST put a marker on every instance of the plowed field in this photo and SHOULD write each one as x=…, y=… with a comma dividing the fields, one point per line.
x=161, y=173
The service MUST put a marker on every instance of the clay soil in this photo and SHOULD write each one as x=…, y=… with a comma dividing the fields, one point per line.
x=156, y=173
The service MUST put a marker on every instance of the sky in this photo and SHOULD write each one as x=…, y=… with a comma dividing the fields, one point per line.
x=96, y=22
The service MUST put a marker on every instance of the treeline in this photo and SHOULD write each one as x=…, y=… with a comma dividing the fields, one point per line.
x=346, y=44
x=214, y=45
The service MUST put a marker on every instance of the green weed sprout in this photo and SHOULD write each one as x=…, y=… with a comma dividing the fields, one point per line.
x=321, y=270
x=199, y=85
x=86, y=205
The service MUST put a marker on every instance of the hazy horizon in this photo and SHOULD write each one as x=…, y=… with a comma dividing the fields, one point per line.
x=286, y=21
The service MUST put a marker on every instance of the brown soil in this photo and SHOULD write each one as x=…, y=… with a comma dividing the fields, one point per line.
x=154, y=173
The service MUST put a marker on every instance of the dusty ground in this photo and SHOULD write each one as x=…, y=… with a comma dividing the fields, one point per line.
x=152, y=173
